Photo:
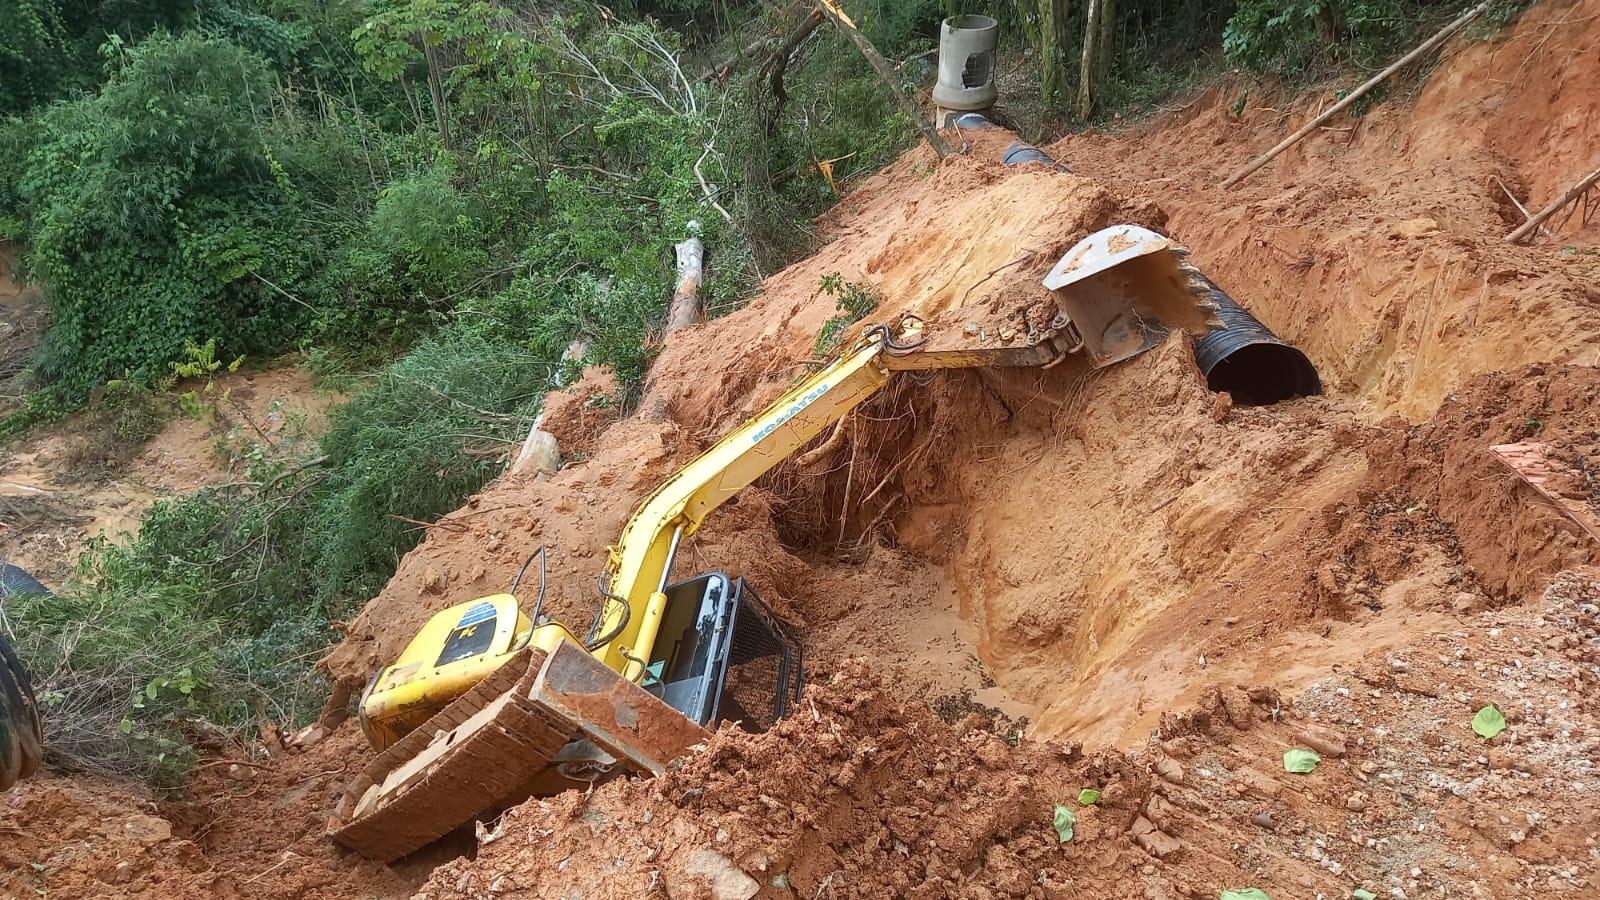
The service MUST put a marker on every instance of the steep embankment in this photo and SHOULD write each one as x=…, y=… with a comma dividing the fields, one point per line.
x=1185, y=587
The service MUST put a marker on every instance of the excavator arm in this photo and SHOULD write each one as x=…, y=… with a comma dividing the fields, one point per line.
x=638, y=565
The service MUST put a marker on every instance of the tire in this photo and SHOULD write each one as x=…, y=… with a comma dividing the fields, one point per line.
x=14, y=580
x=21, y=733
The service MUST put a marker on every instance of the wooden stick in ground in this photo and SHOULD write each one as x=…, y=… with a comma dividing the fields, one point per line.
x=685, y=308
x=885, y=72
x=1518, y=204
x=1538, y=218
x=1357, y=94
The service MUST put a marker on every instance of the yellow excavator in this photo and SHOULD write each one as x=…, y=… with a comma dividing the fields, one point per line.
x=489, y=705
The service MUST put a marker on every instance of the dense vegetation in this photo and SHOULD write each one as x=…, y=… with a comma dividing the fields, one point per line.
x=428, y=200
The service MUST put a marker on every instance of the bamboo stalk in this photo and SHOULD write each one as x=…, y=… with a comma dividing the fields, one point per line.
x=1358, y=93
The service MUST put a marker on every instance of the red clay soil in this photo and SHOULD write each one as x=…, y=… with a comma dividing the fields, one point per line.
x=1127, y=561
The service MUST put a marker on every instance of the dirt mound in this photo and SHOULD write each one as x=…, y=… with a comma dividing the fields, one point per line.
x=860, y=795
x=1512, y=541
x=255, y=830
x=855, y=795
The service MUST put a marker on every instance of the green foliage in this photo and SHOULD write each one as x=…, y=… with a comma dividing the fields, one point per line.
x=150, y=206
x=1088, y=797
x=853, y=300
x=1300, y=760
x=1300, y=40
x=1063, y=820
x=210, y=613
x=1488, y=722
x=33, y=51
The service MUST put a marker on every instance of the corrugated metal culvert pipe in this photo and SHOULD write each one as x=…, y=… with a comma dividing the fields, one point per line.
x=1243, y=356
x=1021, y=153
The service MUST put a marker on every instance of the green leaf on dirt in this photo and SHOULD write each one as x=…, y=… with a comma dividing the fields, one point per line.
x=1064, y=821
x=1488, y=722
x=1300, y=760
x=1088, y=797
x=1245, y=894
x=1363, y=894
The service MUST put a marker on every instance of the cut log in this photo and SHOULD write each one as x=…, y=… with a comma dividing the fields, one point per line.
x=685, y=309
x=540, y=451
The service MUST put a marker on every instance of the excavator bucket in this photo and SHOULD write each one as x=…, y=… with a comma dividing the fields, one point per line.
x=531, y=725
x=1123, y=288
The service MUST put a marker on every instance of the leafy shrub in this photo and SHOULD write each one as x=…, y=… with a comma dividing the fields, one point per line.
x=853, y=300
x=1304, y=39
x=155, y=220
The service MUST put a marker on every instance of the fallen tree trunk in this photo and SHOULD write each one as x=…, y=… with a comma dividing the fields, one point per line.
x=1555, y=206
x=1356, y=94
x=540, y=451
x=685, y=309
x=885, y=72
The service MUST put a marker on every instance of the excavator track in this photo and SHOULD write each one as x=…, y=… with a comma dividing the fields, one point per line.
x=479, y=752
x=489, y=748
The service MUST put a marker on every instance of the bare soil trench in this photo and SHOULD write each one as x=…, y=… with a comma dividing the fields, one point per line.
x=1171, y=590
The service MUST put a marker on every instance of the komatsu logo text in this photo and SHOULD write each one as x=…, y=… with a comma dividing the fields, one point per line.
x=791, y=412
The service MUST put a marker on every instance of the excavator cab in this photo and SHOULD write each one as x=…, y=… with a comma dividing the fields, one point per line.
x=723, y=656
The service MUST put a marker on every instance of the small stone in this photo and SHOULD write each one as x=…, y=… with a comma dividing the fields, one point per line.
x=1154, y=841
x=1356, y=802
x=147, y=829
x=1221, y=405
x=727, y=881
x=309, y=736
x=432, y=581
x=1169, y=770
x=1466, y=603
x=1421, y=226
x=122, y=874
x=1325, y=741
x=1263, y=819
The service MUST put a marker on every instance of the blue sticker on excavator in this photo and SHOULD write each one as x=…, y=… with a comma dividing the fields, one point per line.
x=472, y=635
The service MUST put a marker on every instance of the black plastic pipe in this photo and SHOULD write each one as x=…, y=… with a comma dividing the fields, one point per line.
x=1243, y=356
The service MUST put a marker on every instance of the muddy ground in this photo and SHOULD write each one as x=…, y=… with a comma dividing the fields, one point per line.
x=1160, y=591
